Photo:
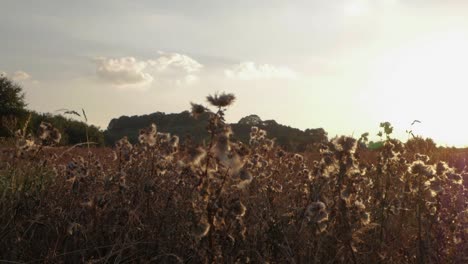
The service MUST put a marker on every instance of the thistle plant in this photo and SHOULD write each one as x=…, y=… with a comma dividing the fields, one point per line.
x=167, y=199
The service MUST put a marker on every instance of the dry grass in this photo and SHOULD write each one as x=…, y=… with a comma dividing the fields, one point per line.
x=225, y=202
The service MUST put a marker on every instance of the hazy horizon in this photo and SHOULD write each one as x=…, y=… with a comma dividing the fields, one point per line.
x=341, y=65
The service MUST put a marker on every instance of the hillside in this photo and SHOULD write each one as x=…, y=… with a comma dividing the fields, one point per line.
x=183, y=124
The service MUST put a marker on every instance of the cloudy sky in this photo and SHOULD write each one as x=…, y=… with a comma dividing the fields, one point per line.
x=344, y=65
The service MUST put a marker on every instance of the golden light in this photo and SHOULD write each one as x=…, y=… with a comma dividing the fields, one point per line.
x=356, y=8
x=426, y=79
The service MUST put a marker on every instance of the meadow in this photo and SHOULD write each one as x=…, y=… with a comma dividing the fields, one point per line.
x=164, y=200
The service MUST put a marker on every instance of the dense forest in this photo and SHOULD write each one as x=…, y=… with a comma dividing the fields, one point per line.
x=186, y=126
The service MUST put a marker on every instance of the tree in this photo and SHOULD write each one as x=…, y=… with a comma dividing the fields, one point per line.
x=12, y=106
x=11, y=98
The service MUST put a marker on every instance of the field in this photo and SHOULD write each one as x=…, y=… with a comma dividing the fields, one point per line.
x=165, y=201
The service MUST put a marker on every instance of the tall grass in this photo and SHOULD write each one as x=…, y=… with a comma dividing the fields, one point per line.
x=166, y=201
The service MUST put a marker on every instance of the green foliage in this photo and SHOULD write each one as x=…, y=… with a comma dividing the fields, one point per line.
x=11, y=97
x=387, y=129
x=375, y=145
x=12, y=105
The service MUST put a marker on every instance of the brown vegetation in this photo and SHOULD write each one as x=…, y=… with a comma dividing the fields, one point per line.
x=227, y=202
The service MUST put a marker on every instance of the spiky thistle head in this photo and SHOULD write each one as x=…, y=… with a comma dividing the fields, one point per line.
x=221, y=100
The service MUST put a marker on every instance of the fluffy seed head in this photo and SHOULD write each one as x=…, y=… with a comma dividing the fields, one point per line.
x=316, y=212
x=238, y=209
x=48, y=134
x=148, y=135
x=201, y=229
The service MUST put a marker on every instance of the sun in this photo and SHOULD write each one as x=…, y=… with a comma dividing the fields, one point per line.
x=426, y=79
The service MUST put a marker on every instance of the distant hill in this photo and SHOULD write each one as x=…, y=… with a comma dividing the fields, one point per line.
x=183, y=124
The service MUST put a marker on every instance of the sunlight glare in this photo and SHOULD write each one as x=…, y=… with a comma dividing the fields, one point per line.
x=427, y=80
x=356, y=8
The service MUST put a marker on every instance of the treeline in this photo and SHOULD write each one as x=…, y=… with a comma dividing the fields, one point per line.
x=73, y=131
x=14, y=115
x=187, y=127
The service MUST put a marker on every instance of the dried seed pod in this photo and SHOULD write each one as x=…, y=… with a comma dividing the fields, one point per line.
x=201, y=229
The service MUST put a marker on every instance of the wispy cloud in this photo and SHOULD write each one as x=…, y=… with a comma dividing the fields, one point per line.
x=251, y=71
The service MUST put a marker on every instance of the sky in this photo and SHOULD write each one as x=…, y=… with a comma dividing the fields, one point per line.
x=344, y=65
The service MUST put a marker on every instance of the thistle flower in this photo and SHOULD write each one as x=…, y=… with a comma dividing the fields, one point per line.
x=316, y=206
x=232, y=161
x=221, y=146
x=345, y=194
x=455, y=178
x=196, y=155
x=280, y=153
x=421, y=157
x=48, y=134
x=269, y=144
x=419, y=167
x=245, y=175
x=148, y=135
x=124, y=147
x=237, y=208
x=73, y=228
x=221, y=100
x=298, y=157
x=276, y=187
x=436, y=186
x=345, y=144
x=174, y=141
x=359, y=205
x=246, y=178
x=463, y=217
x=321, y=227
x=241, y=149
x=316, y=212
x=441, y=168
x=164, y=137
x=261, y=133
x=365, y=218
x=201, y=229
x=25, y=144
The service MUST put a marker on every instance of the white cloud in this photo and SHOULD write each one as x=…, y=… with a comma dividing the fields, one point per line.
x=21, y=76
x=175, y=68
x=18, y=76
x=176, y=61
x=251, y=71
x=125, y=71
x=130, y=72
